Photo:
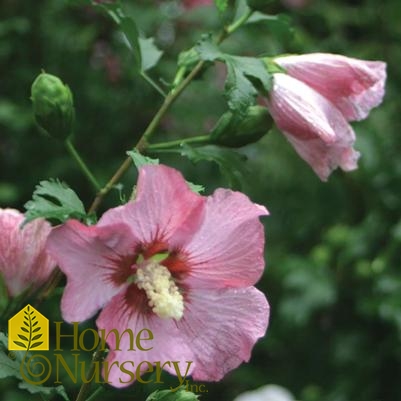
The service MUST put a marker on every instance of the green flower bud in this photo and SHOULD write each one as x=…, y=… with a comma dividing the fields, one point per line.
x=167, y=395
x=259, y=5
x=234, y=131
x=53, y=106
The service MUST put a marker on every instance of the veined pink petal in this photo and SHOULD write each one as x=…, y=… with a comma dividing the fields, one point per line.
x=24, y=262
x=165, y=209
x=354, y=86
x=92, y=258
x=218, y=256
x=313, y=125
x=222, y=327
x=123, y=313
x=324, y=158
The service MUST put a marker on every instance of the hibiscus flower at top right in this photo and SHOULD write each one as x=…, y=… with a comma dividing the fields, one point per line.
x=354, y=86
x=314, y=98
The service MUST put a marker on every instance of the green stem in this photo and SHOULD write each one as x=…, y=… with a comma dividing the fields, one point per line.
x=84, y=168
x=179, y=76
x=143, y=141
x=168, y=102
x=201, y=139
x=98, y=391
x=239, y=22
x=150, y=81
x=170, y=99
x=83, y=391
x=49, y=286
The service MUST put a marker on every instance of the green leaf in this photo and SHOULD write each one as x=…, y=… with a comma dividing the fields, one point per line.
x=240, y=92
x=221, y=5
x=196, y=187
x=188, y=58
x=279, y=25
x=54, y=200
x=167, y=395
x=130, y=30
x=9, y=366
x=231, y=163
x=10, y=363
x=208, y=50
x=46, y=391
x=149, y=52
x=141, y=160
x=128, y=27
x=246, y=76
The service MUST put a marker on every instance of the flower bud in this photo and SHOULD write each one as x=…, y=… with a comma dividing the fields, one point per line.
x=53, y=106
x=234, y=131
x=167, y=395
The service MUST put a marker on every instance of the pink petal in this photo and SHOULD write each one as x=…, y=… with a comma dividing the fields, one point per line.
x=354, y=86
x=313, y=125
x=123, y=312
x=90, y=257
x=227, y=249
x=222, y=327
x=24, y=262
x=165, y=209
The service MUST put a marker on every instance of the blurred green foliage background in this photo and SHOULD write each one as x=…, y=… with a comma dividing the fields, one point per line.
x=333, y=274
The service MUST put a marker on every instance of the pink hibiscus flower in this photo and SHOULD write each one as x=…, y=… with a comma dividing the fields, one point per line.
x=177, y=263
x=313, y=125
x=354, y=86
x=314, y=102
x=24, y=262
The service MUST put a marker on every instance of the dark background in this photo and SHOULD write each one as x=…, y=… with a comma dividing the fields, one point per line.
x=332, y=249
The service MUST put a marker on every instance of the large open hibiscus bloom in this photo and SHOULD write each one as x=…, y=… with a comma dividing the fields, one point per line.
x=177, y=263
x=24, y=262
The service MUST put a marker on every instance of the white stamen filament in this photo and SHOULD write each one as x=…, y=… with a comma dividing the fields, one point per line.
x=163, y=294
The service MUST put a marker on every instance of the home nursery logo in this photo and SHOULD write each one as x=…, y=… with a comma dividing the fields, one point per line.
x=28, y=331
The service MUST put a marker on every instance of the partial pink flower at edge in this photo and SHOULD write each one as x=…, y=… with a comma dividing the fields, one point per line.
x=354, y=86
x=313, y=125
x=24, y=262
x=175, y=262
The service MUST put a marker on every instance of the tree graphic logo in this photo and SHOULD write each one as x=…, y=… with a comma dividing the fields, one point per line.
x=28, y=330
